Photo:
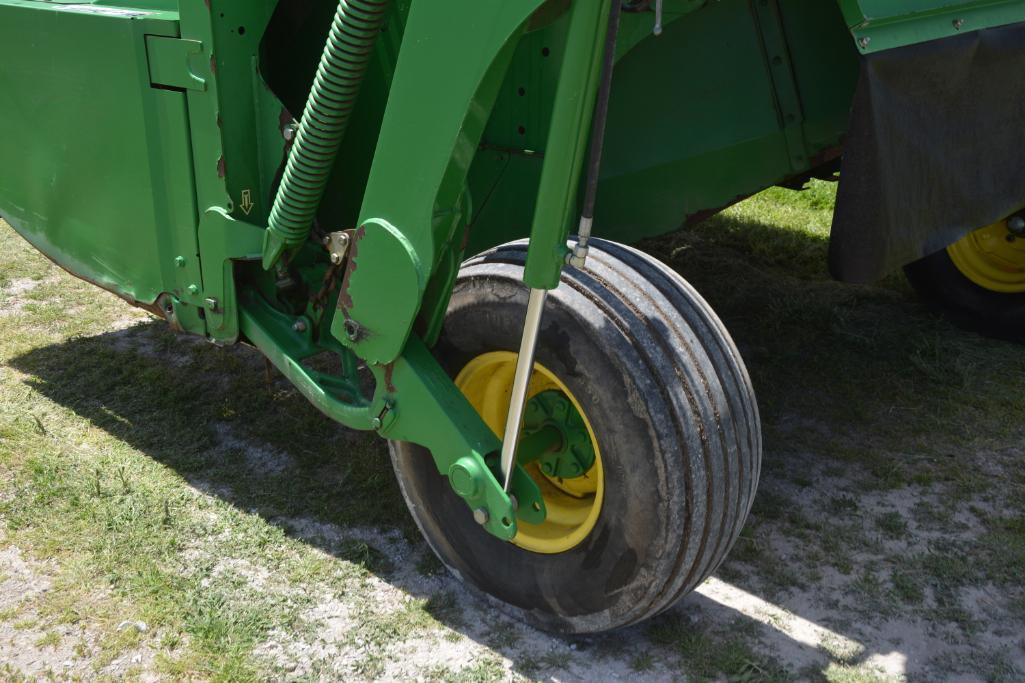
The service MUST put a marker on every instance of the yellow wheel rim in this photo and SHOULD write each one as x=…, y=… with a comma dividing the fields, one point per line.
x=992, y=258
x=573, y=505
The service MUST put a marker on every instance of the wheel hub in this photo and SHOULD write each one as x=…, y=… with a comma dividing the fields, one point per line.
x=993, y=258
x=573, y=454
x=558, y=435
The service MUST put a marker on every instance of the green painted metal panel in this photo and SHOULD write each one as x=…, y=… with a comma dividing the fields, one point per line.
x=96, y=168
x=825, y=65
x=885, y=24
x=699, y=116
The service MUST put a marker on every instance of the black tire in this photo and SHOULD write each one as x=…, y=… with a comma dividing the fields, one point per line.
x=994, y=314
x=675, y=417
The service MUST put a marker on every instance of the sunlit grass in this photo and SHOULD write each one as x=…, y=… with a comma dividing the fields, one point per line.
x=127, y=458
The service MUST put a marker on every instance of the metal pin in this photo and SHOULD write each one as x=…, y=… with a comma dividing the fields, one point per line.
x=658, y=17
x=521, y=382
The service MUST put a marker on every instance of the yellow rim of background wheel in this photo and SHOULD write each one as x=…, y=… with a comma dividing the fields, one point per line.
x=573, y=505
x=989, y=259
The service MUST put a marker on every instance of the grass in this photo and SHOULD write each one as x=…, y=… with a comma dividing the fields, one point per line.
x=168, y=482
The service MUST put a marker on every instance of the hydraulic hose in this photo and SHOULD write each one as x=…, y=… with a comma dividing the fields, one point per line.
x=347, y=54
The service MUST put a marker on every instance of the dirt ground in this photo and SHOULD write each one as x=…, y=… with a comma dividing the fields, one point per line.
x=168, y=511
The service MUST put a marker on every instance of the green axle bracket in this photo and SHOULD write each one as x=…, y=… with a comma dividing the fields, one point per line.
x=424, y=407
x=427, y=411
x=445, y=85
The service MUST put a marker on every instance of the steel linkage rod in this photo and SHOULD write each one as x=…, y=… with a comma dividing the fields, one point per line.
x=536, y=303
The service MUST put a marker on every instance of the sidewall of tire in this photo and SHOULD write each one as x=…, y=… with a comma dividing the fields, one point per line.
x=939, y=282
x=654, y=538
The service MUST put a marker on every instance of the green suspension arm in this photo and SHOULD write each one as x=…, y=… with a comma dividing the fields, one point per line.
x=454, y=59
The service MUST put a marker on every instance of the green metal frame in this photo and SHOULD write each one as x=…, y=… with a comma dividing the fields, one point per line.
x=156, y=130
x=882, y=24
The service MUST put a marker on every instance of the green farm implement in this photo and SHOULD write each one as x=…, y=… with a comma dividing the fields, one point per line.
x=432, y=197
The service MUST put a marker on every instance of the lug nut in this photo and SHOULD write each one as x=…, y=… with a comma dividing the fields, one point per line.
x=481, y=516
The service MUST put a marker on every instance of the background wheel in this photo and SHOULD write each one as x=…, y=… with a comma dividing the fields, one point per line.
x=979, y=282
x=665, y=442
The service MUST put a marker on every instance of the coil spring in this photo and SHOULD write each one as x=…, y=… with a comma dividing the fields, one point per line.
x=347, y=54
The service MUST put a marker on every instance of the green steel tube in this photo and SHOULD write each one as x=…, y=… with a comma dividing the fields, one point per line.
x=343, y=66
x=570, y=131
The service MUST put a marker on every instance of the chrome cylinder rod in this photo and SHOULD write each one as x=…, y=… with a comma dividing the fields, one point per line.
x=521, y=382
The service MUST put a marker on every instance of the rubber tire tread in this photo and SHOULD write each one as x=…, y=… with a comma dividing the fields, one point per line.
x=941, y=284
x=664, y=378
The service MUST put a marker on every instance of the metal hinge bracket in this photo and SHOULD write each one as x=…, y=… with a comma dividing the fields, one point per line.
x=169, y=65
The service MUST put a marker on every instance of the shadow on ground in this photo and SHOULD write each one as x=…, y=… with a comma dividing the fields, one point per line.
x=892, y=445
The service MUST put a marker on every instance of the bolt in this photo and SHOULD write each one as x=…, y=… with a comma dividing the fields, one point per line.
x=299, y=326
x=352, y=329
x=958, y=23
x=864, y=42
x=1016, y=226
x=193, y=290
x=336, y=258
x=376, y=423
x=180, y=261
x=289, y=131
x=211, y=303
x=481, y=516
x=547, y=468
